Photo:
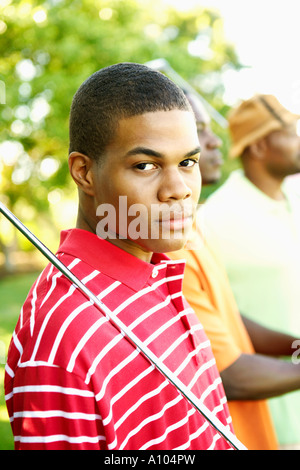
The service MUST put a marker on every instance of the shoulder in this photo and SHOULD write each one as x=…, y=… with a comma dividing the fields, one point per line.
x=292, y=184
x=60, y=325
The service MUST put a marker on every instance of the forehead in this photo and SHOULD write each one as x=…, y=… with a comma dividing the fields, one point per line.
x=161, y=130
x=289, y=130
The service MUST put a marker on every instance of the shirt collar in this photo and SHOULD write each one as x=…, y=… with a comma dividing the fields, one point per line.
x=108, y=258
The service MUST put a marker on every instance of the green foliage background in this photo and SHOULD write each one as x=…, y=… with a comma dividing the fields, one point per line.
x=48, y=48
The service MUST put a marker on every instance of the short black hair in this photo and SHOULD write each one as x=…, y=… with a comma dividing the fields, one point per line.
x=113, y=93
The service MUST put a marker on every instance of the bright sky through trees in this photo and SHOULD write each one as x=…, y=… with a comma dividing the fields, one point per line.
x=266, y=36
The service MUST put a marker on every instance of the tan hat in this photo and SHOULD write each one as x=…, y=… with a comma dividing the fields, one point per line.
x=256, y=118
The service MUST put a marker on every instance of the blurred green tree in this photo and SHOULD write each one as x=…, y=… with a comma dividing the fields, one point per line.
x=48, y=48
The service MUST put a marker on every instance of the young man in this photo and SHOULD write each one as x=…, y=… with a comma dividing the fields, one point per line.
x=73, y=381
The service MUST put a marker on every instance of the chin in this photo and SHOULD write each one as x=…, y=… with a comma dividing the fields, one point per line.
x=166, y=246
x=212, y=179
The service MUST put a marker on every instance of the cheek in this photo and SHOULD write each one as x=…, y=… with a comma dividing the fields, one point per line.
x=285, y=147
x=295, y=149
x=196, y=185
x=133, y=206
x=112, y=185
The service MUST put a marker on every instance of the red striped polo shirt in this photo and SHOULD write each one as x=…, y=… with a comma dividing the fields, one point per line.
x=73, y=381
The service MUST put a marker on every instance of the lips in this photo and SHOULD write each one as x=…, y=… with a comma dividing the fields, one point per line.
x=176, y=224
x=177, y=220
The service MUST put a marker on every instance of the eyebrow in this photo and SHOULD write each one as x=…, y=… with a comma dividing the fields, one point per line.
x=152, y=153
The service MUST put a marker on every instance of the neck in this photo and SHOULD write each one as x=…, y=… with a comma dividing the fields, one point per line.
x=268, y=184
x=86, y=222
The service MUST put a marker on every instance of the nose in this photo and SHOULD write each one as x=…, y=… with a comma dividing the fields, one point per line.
x=174, y=186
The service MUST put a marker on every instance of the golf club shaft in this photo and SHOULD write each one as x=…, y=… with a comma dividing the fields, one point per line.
x=192, y=399
x=163, y=65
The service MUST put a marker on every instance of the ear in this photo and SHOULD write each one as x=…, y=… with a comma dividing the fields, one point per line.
x=80, y=167
x=258, y=149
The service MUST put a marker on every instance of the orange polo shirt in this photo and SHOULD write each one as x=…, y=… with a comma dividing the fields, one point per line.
x=207, y=289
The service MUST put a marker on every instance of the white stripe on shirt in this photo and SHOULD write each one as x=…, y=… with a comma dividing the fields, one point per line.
x=40, y=414
x=53, y=389
x=33, y=302
x=59, y=438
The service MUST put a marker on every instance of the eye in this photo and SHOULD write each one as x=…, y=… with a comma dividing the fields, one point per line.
x=201, y=128
x=189, y=162
x=146, y=166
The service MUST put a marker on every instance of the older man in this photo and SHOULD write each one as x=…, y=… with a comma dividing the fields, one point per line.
x=255, y=220
x=208, y=291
